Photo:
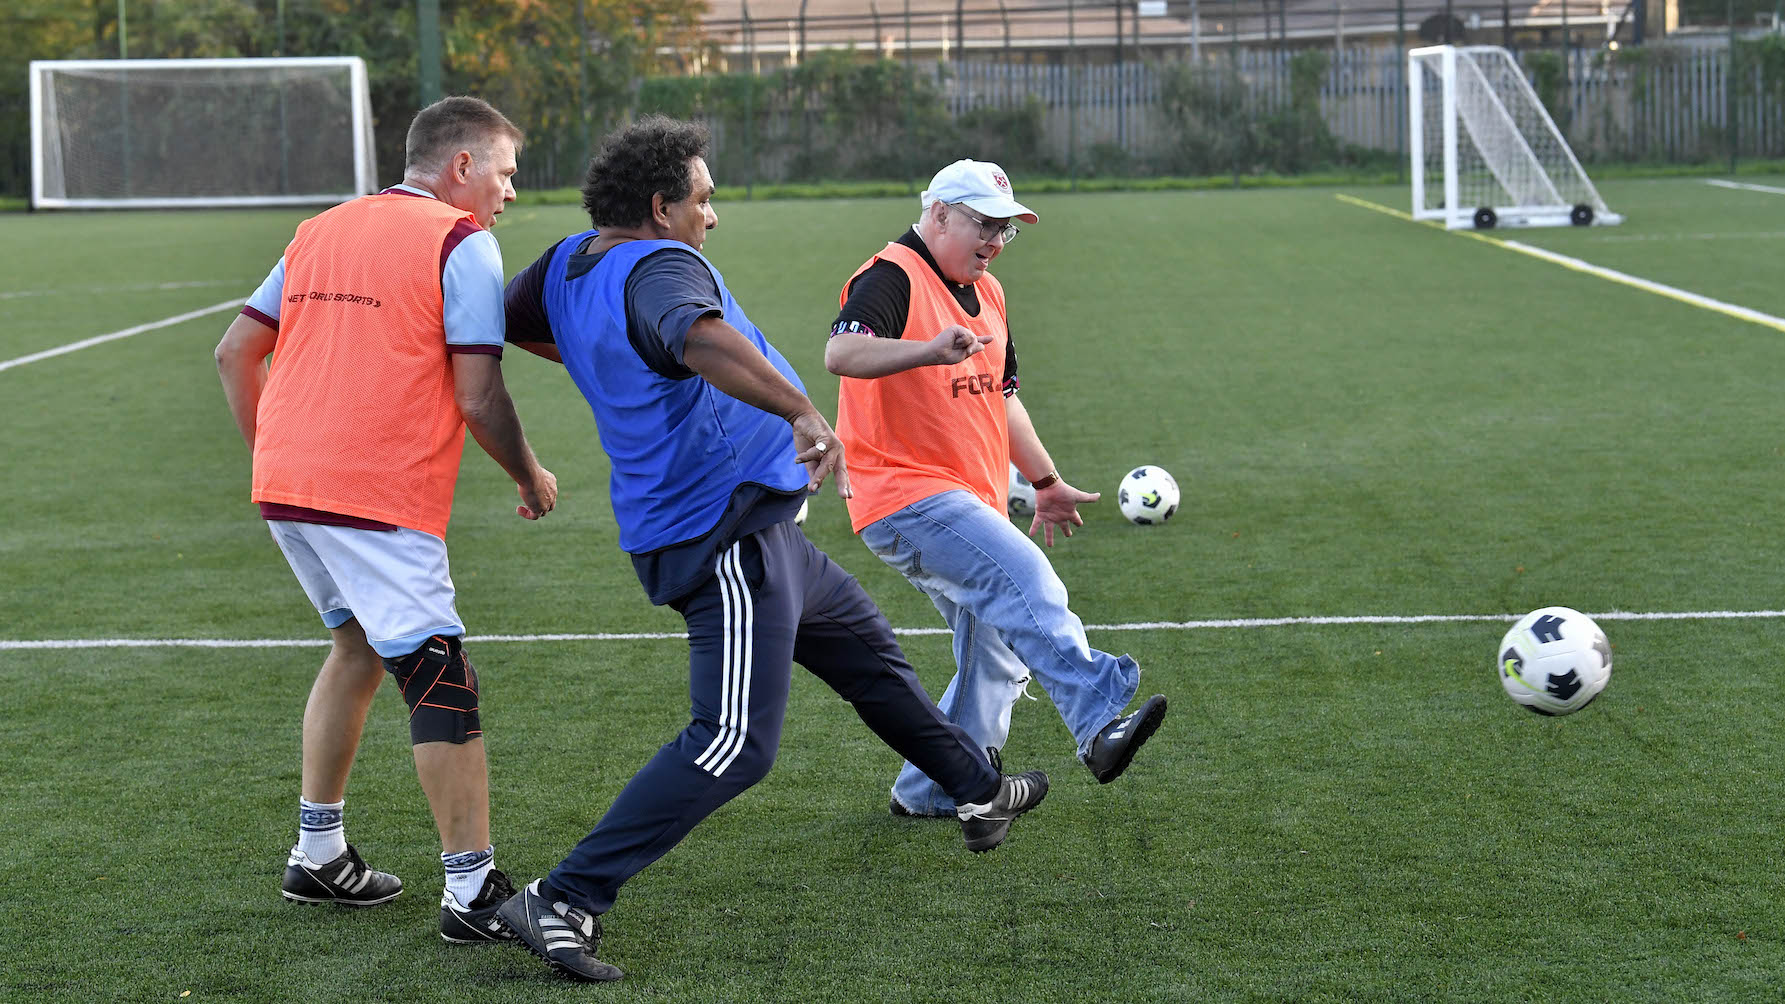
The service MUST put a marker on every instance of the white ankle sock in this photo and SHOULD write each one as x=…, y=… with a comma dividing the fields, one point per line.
x=321, y=834
x=465, y=872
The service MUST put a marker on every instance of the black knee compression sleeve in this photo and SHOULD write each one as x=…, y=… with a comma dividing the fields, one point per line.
x=440, y=687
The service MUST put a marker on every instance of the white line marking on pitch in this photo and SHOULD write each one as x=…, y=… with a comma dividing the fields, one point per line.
x=1231, y=623
x=137, y=287
x=1647, y=285
x=1743, y=186
x=115, y=335
x=1760, y=235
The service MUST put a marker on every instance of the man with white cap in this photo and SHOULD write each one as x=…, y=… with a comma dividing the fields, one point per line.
x=929, y=414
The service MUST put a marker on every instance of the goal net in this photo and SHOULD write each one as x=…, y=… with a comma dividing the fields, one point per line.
x=144, y=133
x=1485, y=152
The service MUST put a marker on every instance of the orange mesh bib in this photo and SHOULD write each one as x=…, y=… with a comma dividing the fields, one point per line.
x=931, y=429
x=358, y=415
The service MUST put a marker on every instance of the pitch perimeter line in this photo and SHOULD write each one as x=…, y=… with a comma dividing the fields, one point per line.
x=1687, y=297
x=1239, y=622
x=135, y=287
x=61, y=350
x=1745, y=187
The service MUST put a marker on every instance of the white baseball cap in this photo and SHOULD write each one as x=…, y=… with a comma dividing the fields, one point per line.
x=981, y=186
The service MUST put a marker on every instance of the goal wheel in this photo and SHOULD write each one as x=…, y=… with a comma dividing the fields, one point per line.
x=1485, y=219
x=1581, y=215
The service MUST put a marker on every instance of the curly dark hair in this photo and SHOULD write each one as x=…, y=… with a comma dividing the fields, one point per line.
x=646, y=158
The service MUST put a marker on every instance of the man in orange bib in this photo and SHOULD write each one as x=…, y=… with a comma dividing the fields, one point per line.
x=929, y=414
x=384, y=320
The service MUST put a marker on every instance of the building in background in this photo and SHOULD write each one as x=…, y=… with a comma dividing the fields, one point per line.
x=753, y=35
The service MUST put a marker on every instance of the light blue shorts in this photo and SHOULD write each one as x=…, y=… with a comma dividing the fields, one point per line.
x=394, y=582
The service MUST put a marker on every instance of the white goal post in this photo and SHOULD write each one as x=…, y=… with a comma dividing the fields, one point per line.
x=169, y=133
x=1484, y=150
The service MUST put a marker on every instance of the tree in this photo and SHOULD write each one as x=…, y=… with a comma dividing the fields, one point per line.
x=521, y=55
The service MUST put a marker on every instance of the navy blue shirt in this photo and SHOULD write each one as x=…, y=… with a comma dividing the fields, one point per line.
x=666, y=292
x=665, y=295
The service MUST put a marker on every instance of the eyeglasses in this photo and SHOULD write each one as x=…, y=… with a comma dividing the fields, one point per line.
x=987, y=228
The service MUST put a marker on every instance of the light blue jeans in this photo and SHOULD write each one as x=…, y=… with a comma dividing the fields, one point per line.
x=1007, y=607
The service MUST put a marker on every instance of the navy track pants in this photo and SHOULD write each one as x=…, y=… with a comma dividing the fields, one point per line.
x=773, y=600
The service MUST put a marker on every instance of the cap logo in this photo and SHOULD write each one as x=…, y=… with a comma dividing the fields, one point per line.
x=1002, y=182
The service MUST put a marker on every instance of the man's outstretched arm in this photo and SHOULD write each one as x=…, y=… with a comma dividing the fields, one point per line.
x=730, y=362
x=863, y=355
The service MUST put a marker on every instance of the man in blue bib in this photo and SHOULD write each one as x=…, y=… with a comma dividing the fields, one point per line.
x=714, y=445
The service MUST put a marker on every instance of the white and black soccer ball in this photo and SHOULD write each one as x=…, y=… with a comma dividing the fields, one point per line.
x=1021, y=503
x=1554, y=661
x=1147, y=495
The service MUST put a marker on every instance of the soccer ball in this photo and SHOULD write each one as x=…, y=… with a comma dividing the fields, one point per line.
x=1147, y=495
x=1554, y=661
x=1022, y=496
x=799, y=518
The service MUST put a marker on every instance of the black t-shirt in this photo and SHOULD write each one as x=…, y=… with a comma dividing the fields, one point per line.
x=666, y=293
x=880, y=301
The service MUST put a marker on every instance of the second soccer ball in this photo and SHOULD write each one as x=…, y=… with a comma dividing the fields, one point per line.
x=1147, y=495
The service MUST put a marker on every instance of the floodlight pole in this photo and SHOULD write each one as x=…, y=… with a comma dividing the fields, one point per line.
x=1401, y=92
x=124, y=95
x=749, y=76
x=1005, y=15
x=1118, y=6
x=427, y=28
x=1121, y=79
x=960, y=32
x=1567, y=95
x=1729, y=85
x=284, y=121
x=582, y=80
x=905, y=98
x=1072, y=94
x=907, y=35
x=1233, y=68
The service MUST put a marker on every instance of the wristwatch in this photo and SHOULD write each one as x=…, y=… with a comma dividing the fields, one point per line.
x=1046, y=481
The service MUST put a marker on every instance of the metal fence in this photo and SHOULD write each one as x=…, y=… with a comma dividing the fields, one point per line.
x=1232, y=111
x=1673, y=106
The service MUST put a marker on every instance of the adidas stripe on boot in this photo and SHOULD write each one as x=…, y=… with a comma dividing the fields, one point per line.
x=346, y=880
x=984, y=826
x=564, y=937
